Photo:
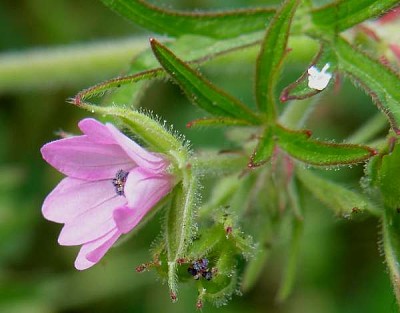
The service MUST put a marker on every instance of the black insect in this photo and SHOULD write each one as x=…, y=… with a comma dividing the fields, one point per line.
x=119, y=182
x=199, y=268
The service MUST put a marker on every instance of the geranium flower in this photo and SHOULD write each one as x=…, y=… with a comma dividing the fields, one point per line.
x=111, y=184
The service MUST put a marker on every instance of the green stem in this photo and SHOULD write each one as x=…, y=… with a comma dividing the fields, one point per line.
x=78, y=65
x=74, y=65
x=218, y=164
x=391, y=245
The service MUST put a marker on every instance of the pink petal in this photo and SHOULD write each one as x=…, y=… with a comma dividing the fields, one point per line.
x=92, y=224
x=92, y=252
x=126, y=219
x=73, y=197
x=143, y=191
x=139, y=155
x=96, y=131
x=79, y=157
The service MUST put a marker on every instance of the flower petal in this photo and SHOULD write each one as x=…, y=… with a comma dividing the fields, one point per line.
x=139, y=155
x=81, y=158
x=72, y=197
x=96, y=131
x=143, y=191
x=126, y=219
x=92, y=252
x=92, y=224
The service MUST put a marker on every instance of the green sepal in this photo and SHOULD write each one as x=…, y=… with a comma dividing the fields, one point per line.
x=270, y=58
x=343, y=201
x=180, y=227
x=199, y=90
x=378, y=80
x=205, y=242
x=220, y=289
x=391, y=247
x=300, y=89
x=222, y=24
x=300, y=146
x=147, y=129
x=389, y=178
x=343, y=14
x=264, y=149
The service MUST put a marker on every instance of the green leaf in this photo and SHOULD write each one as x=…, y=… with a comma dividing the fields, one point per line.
x=379, y=81
x=300, y=146
x=199, y=90
x=389, y=178
x=145, y=67
x=343, y=14
x=340, y=199
x=269, y=61
x=196, y=48
x=391, y=247
x=118, y=82
x=173, y=23
x=300, y=89
x=217, y=121
x=264, y=149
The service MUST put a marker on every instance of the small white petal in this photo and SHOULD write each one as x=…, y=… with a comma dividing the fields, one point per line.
x=318, y=79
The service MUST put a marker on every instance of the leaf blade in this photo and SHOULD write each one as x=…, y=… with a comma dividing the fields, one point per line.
x=341, y=15
x=199, y=90
x=264, y=149
x=272, y=52
x=340, y=199
x=300, y=146
x=379, y=81
x=222, y=24
x=299, y=89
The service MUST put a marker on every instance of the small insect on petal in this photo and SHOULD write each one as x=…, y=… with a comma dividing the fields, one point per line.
x=119, y=182
x=318, y=79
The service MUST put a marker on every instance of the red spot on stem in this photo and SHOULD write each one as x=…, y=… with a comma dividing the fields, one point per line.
x=199, y=304
x=141, y=268
x=173, y=296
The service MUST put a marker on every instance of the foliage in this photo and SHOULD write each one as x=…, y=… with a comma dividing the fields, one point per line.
x=252, y=194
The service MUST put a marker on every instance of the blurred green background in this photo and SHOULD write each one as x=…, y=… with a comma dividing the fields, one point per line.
x=340, y=268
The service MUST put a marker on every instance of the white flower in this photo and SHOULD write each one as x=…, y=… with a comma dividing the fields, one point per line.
x=318, y=79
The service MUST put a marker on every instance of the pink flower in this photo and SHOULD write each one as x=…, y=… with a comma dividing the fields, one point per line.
x=111, y=184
